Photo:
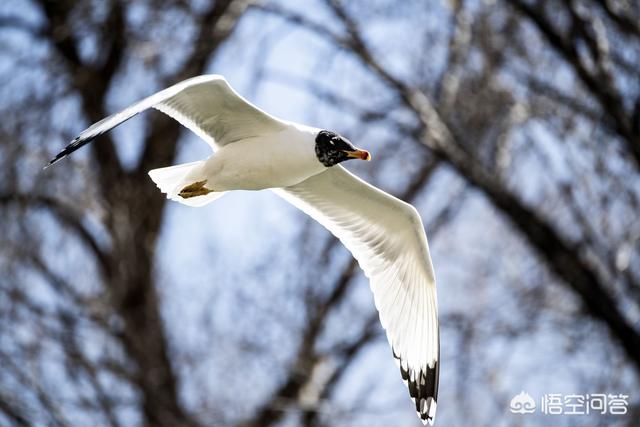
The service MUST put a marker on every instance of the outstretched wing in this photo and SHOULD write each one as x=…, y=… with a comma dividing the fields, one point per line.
x=206, y=105
x=387, y=238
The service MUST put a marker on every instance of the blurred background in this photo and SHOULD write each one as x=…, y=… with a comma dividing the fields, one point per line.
x=512, y=125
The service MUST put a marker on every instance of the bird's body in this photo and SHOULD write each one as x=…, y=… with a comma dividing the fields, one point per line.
x=255, y=151
x=246, y=165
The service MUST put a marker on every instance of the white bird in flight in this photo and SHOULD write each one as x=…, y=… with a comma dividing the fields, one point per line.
x=253, y=151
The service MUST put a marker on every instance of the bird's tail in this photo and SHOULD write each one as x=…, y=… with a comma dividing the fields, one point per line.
x=172, y=179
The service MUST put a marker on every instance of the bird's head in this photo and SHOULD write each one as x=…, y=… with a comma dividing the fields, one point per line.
x=332, y=149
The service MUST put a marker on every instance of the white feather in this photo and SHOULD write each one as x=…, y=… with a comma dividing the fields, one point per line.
x=387, y=238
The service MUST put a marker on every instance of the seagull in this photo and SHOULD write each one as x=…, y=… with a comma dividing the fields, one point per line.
x=254, y=151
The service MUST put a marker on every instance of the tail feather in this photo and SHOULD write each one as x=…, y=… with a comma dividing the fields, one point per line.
x=172, y=179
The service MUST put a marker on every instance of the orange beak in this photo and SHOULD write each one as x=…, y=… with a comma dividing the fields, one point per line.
x=359, y=154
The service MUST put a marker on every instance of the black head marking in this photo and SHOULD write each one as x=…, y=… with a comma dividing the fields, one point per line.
x=332, y=148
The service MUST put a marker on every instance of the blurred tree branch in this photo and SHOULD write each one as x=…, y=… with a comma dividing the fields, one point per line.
x=66, y=215
x=621, y=15
x=127, y=262
x=599, y=82
x=561, y=256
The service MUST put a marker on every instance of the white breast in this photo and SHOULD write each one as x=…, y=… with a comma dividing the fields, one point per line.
x=278, y=160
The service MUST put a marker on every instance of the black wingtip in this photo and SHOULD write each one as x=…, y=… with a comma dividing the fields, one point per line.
x=423, y=388
x=73, y=146
x=56, y=159
x=427, y=411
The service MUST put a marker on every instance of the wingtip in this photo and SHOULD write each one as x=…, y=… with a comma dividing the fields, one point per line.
x=423, y=388
x=70, y=148
x=53, y=161
x=427, y=413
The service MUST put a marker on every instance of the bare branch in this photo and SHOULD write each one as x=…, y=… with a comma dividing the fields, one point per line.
x=560, y=255
x=611, y=102
x=16, y=22
x=67, y=216
x=625, y=23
